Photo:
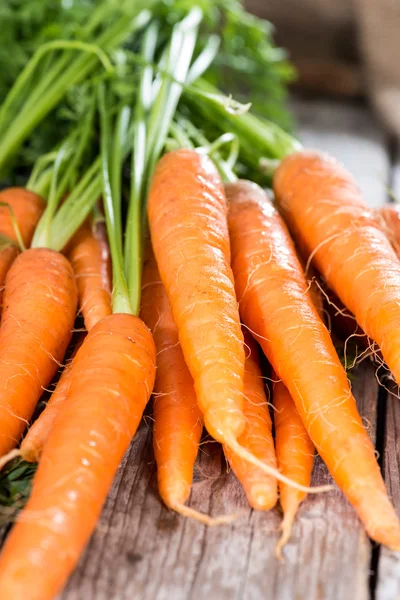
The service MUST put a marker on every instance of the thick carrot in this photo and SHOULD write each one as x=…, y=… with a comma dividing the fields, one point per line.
x=33, y=442
x=39, y=310
x=277, y=308
x=326, y=212
x=90, y=258
x=178, y=422
x=188, y=223
x=295, y=455
x=27, y=208
x=389, y=217
x=261, y=491
x=112, y=377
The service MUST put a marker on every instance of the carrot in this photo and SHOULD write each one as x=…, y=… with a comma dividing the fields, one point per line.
x=178, y=421
x=261, y=491
x=33, y=442
x=39, y=311
x=389, y=217
x=188, y=224
x=295, y=455
x=343, y=237
x=111, y=379
x=278, y=310
x=27, y=209
x=90, y=258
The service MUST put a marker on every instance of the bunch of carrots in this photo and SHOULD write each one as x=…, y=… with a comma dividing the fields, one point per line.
x=182, y=275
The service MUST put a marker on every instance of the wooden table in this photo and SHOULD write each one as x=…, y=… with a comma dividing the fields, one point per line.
x=143, y=551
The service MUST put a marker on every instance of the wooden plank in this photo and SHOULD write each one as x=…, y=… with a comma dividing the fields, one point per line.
x=142, y=550
x=388, y=580
x=349, y=132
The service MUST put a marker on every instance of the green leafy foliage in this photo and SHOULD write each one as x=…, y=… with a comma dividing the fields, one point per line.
x=15, y=487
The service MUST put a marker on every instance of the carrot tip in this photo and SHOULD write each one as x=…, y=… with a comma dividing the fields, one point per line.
x=187, y=511
x=9, y=456
x=234, y=445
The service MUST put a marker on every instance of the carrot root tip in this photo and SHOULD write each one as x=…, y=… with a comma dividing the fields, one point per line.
x=187, y=511
x=9, y=456
x=234, y=445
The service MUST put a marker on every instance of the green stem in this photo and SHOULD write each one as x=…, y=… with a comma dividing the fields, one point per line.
x=134, y=238
x=81, y=66
x=120, y=295
x=117, y=159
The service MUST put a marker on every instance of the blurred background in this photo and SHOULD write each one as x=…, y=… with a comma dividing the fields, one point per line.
x=345, y=48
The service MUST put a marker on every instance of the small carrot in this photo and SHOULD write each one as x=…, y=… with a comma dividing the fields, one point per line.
x=33, y=442
x=27, y=209
x=90, y=258
x=326, y=212
x=278, y=310
x=261, y=491
x=178, y=422
x=295, y=455
x=39, y=310
x=188, y=224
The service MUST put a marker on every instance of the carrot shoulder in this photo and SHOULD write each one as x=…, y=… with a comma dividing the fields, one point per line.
x=39, y=311
x=89, y=254
x=27, y=209
x=178, y=421
x=261, y=490
x=112, y=378
x=325, y=211
x=277, y=308
x=389, y=216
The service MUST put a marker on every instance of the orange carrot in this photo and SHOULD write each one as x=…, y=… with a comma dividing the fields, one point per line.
x=27, y=208
x=295, y=455
x=389, y=217
x=343, y=237
x=178, y=421
x=188, y=223
x=33, y=442
x=39, y=310
x=90, y=258
x=261, y=491
x=278, y=310
x=112, y=377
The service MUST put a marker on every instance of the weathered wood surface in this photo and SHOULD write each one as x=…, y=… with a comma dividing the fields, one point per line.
x=141, y=550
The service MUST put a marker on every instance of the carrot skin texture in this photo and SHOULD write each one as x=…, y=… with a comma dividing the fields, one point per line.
x=389, y=217
x=28, y=208
x=33, y=442
x=278, y=310
x=294, y=452
x=40, y=302
x=178, y=421
x=89, y=255
x=111, y=381
x=324, y=209
x=188, y=223
x=261, y=491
